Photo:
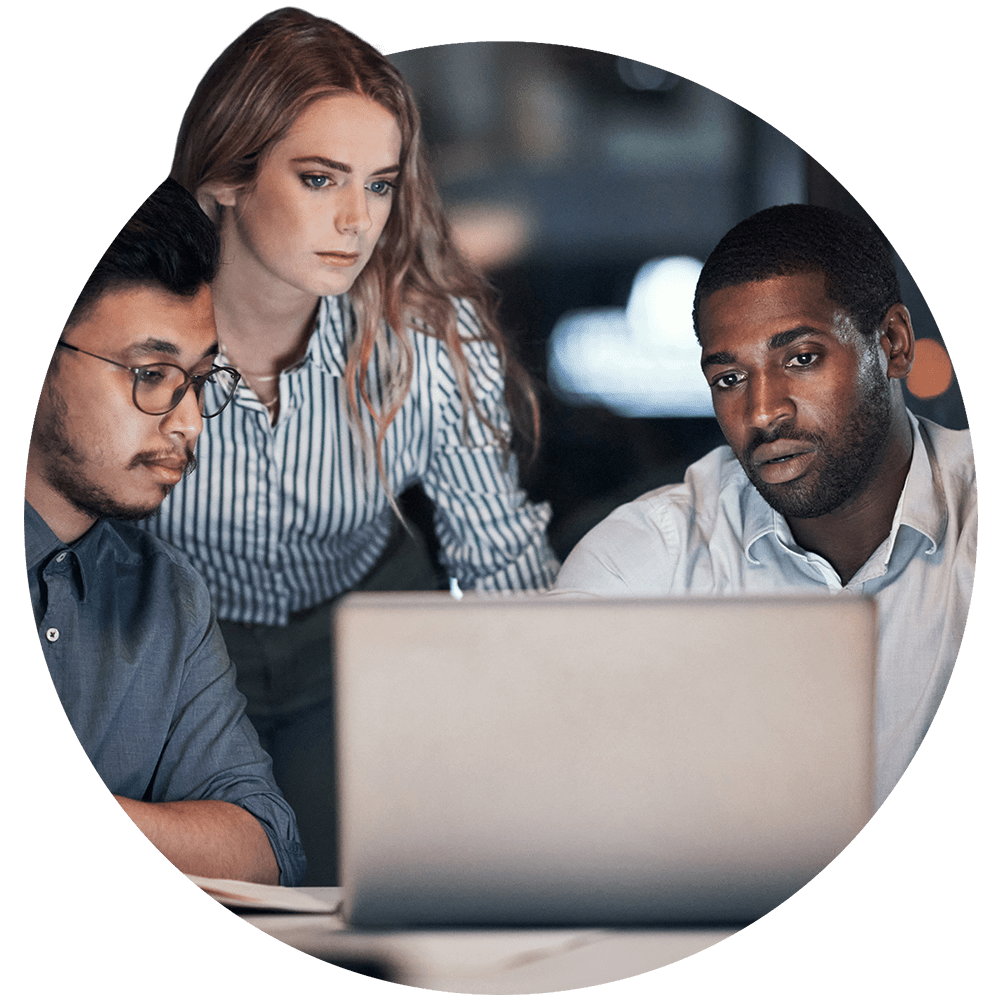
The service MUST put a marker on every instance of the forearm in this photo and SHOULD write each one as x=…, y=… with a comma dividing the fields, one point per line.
x=205, y=837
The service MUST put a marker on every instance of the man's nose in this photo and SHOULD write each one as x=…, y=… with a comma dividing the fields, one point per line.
x=768, y=401
x=185, y=418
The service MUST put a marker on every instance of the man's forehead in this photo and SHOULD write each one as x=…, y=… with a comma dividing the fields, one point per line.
x=757, y=310
x=143, y=320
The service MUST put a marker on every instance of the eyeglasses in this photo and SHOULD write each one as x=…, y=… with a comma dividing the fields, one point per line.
x=158, y=389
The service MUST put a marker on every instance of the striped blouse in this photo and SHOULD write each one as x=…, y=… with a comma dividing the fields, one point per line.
x=282, y=518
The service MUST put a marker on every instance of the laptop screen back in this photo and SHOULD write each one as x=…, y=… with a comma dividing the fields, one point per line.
x=549, y=760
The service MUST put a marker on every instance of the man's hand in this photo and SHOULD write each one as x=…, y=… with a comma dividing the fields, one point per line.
x=208, y=838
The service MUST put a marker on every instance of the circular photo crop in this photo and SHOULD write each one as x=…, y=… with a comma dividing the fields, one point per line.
x=500, y=518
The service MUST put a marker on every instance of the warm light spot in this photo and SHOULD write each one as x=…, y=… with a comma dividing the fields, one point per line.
x=491, y=236
x=931, y=373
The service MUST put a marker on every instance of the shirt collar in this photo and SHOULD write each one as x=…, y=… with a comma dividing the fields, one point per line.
x=39, y=540
x=921, y=505
x=328, y=345
x=760, y=519
x=41, y=543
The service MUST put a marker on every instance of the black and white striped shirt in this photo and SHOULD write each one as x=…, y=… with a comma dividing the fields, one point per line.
x=282, y=518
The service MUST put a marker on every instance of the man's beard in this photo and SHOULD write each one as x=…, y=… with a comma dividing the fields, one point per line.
x=63, y=470
x=850, y=463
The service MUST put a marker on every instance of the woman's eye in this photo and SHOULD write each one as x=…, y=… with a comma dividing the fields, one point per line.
x=315, y=181
x=381, y=187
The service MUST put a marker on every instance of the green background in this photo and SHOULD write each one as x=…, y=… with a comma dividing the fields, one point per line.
x=897, y=111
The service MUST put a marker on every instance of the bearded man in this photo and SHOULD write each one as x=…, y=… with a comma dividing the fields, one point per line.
x=829, y=483
x=125, y=622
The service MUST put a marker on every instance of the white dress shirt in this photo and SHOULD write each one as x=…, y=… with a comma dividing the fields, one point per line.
x=282, y=518
x=714, y=534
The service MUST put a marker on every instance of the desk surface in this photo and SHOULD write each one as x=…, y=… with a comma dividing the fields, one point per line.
x=485, y=960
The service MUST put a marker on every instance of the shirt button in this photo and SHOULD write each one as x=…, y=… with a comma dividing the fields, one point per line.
x=60, y=557
x=52, y=634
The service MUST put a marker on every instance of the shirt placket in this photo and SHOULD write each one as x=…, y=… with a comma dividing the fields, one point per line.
x=60, y=622
x=281, y=508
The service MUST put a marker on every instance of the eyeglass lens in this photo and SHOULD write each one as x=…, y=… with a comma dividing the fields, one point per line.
x=160, y=388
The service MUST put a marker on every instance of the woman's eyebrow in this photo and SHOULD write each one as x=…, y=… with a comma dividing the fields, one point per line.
x=343, y=168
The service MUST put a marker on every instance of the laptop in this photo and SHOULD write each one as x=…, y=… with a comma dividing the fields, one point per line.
x=558, y=760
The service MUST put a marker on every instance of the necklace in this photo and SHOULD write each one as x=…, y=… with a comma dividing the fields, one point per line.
x=271, y=408
x=269, y=405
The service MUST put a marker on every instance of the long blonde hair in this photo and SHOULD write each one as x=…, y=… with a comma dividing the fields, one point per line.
x=248, y=100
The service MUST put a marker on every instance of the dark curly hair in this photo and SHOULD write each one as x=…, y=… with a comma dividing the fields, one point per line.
x=793, y=239
x=169, y=243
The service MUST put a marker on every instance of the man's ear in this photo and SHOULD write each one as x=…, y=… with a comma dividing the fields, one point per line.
x=897, y=340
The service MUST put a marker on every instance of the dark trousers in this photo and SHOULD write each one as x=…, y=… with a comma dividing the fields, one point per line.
x=286, y=675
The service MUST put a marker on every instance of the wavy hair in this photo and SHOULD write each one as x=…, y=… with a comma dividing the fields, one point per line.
x=247, y=101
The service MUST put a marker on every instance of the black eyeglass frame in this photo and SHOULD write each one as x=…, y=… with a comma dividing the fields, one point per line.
x=198, y=381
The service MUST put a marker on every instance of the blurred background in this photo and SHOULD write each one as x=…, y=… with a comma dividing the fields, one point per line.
x=590, y=188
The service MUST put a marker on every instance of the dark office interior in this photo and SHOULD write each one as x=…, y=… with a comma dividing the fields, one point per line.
x=565, y=170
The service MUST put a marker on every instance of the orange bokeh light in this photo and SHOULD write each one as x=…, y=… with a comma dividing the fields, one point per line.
x=932, y=373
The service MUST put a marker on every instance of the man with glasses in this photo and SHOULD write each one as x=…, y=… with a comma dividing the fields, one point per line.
x=125, y=622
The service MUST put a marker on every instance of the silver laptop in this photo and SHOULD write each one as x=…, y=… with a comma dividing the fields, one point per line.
x=563, y=760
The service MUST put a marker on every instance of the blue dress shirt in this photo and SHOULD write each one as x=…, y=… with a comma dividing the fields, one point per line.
x=140, y=666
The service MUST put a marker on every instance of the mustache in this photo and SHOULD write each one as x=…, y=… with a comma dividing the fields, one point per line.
x=784, y=432
x=184, y=458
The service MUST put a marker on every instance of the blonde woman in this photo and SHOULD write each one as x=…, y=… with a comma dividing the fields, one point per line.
x=371, y=360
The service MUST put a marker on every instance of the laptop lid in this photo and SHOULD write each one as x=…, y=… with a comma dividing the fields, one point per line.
x=565, y=760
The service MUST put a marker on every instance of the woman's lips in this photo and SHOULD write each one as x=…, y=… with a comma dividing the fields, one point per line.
x=783, y=460
x=338, y=258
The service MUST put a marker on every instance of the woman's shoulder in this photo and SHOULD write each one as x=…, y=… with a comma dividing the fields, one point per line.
x=478, y=351
x=470, y=326
x=465, y=314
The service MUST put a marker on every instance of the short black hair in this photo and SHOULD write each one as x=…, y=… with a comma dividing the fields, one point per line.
x=795, y=239
x=169, y=243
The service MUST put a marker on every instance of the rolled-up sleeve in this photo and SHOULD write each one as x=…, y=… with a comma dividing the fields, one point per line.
x=212, y=752
x=141, y=668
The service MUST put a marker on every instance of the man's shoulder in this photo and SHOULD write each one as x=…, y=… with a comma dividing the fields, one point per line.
x=950, y=450
x=952, y=471
x=135, y=539
x=132, y=545
x=714, y=482
x=156, y=589
x=714, y=497
x=648, y=544
x=714, y=476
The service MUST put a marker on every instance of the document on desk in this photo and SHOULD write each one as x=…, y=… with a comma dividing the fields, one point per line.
x=276, y=898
